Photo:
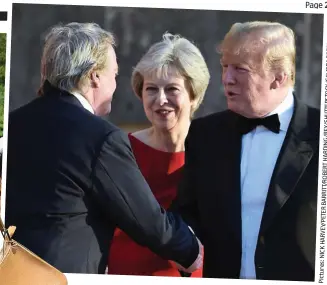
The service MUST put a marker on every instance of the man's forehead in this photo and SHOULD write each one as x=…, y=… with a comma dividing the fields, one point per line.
x=113, y=58
x=243, y=45
x=234, y=57
x=111, y=52
x=242, y=55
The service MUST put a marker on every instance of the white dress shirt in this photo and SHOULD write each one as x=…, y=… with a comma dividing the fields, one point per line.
x=260, y=149
x=83, y=101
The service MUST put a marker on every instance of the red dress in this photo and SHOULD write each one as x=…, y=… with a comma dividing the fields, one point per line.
x=162, y=171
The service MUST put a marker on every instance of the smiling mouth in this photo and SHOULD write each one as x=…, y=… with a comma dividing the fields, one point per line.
x=163, y=112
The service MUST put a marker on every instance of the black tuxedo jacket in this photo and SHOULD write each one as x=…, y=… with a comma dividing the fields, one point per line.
x=71, y=179
x=210, y=201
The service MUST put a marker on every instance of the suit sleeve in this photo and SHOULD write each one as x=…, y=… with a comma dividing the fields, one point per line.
x=185, y=202
x=128, y=201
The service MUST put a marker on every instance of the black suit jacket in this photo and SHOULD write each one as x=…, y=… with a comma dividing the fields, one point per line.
x=71, y=179
x=210, y=201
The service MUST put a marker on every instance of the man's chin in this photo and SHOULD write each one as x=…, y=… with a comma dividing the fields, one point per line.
x=108, y=110
x=104, y=111
x=235, y=108
x=232, y=106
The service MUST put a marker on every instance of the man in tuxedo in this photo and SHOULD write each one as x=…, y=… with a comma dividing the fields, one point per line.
x=71, y=175
x=250, y=178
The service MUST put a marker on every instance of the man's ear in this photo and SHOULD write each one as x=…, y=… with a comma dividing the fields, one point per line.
x=280, y=79
x=94, y=79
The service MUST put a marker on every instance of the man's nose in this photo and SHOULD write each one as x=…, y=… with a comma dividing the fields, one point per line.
x=228, y=75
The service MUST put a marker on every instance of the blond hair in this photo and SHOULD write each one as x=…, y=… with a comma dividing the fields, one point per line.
x=274, y=43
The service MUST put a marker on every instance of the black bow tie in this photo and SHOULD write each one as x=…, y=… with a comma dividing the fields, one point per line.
x=246, y=125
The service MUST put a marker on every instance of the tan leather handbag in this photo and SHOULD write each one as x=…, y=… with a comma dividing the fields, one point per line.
x=19, y=266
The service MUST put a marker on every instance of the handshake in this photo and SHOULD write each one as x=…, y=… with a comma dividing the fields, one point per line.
x=197, y=264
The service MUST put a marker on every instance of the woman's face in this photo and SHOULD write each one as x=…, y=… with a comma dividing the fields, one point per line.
x=166, y=101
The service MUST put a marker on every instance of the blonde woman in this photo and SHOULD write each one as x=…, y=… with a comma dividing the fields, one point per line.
x=170, y=80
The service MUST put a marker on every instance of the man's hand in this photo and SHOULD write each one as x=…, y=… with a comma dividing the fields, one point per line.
x=197, y=264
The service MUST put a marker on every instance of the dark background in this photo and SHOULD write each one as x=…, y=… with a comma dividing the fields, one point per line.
x=136, y=29
x=2, y=79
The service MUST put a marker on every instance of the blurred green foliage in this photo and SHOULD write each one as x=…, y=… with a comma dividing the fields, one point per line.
x=2, y=78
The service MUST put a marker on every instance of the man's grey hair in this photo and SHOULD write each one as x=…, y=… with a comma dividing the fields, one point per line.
x=71, y=52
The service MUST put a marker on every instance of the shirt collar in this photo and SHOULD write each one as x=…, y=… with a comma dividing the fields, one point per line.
x=83, y=101
x=285, y=111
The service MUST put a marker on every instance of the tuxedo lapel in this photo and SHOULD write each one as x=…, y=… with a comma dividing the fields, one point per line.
x=229, y=184
x=297, y=150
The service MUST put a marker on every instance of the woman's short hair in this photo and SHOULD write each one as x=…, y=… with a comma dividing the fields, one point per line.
x=179, y=53
x=71, y=52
